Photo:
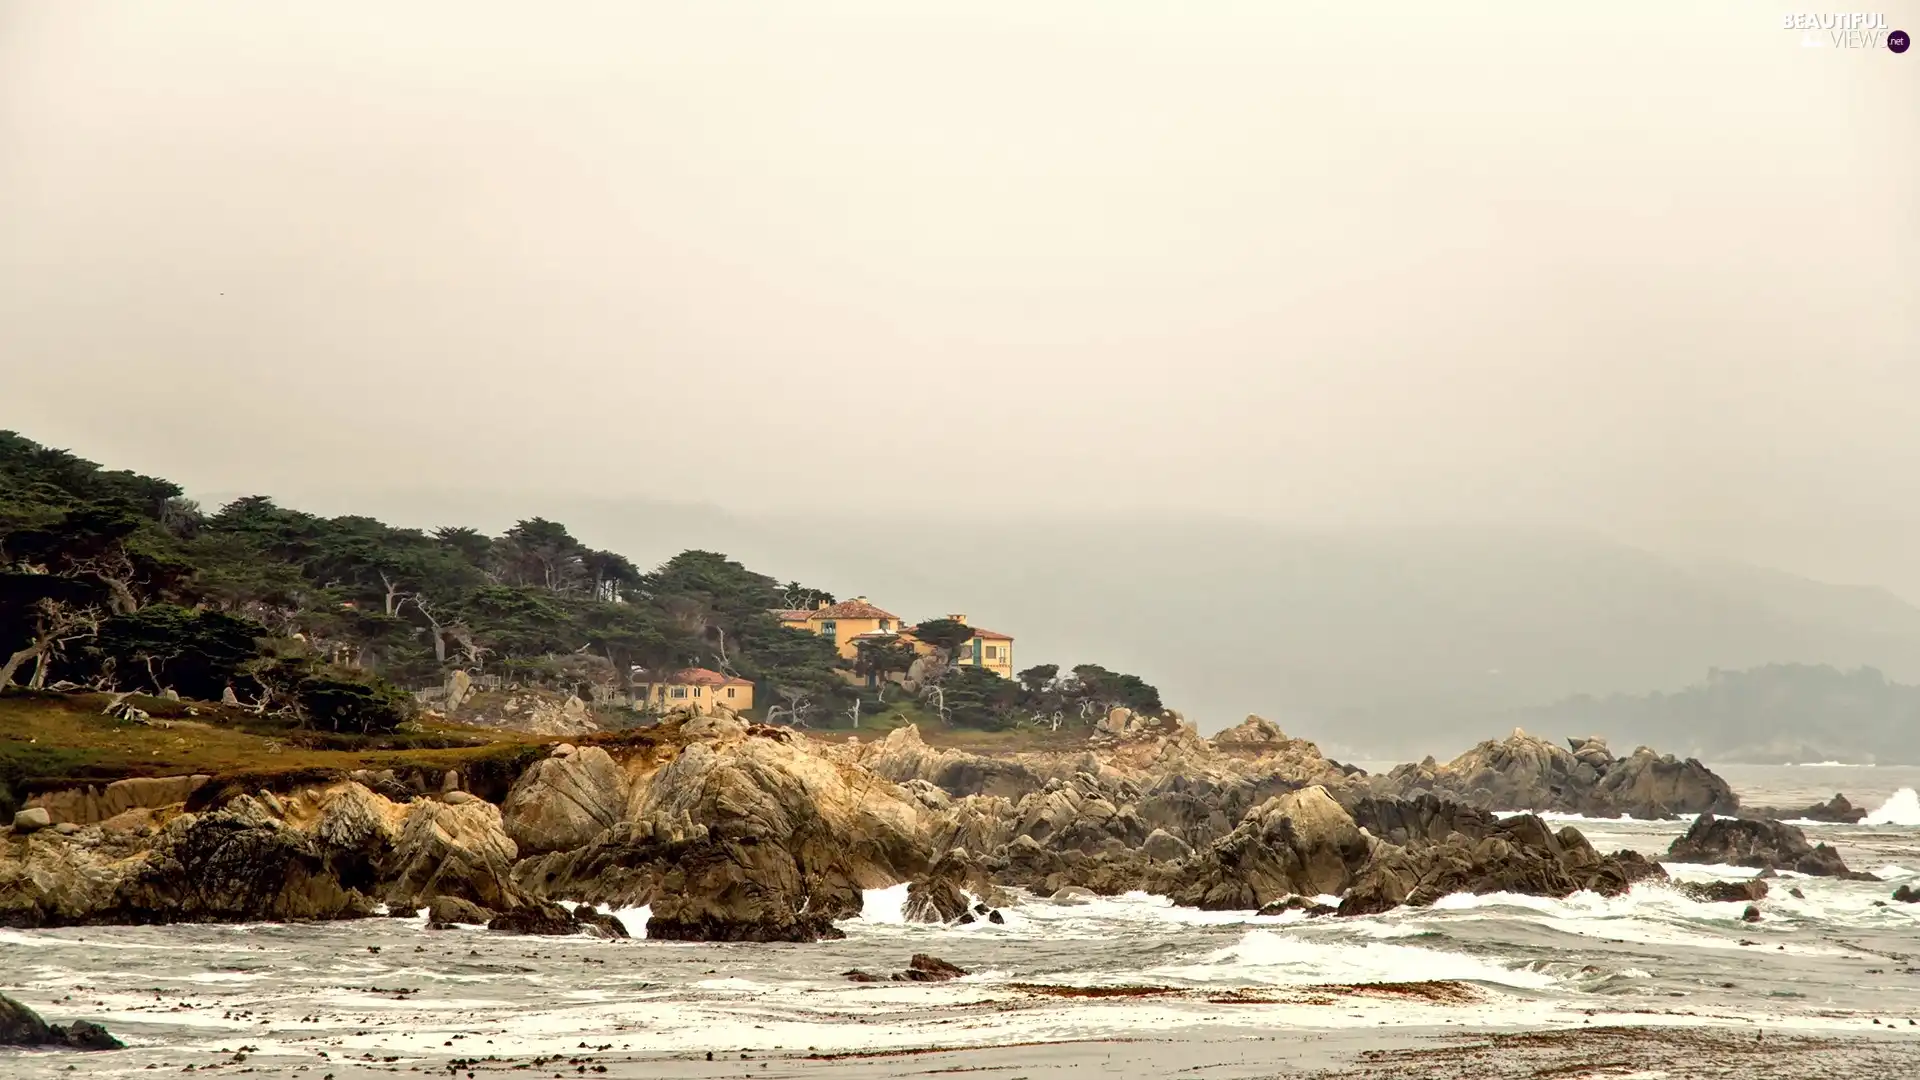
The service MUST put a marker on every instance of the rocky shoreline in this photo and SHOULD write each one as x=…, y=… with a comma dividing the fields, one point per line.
x=736, y=832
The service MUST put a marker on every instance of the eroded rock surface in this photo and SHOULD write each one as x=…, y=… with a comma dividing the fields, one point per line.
x=1524, y=772
x=1750, y=842
x=733, y=831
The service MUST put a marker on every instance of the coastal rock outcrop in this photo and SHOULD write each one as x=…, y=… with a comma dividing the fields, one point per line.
x=1301, y=842
x=1837, y=810
x=947, y=891
x=565, y=800
x=448, y=849
x=740, y=833
x=1749, y=842
x=242, y=862
x=328, y=852
x=1524, y=772
x=21, y=1026
x=1519, y=855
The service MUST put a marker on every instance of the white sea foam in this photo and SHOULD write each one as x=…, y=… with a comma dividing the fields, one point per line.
x=886, y=906
x=1270, y=958
x=635, y=919
x=1709, y=871
x=1647, y=915
x=1581, y=819
x=1901, y=808
x=1828, y=765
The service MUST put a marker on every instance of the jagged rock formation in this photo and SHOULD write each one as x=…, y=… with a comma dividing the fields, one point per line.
x=742, y=834
x=739, y=832
x=1750, y=842
x=1523, y=772
x=321, y=853
x=1520, y=854
x=1838, y=810
x=1301, y=842
x=566, y=800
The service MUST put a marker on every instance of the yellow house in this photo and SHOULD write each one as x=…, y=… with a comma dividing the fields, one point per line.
x=850, y=620
x=988, y=649
x=842, y=622
x=695, y=689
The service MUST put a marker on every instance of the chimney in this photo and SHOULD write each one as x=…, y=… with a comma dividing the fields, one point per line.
x=820, y=605
x=859, y=599
x=960, y=618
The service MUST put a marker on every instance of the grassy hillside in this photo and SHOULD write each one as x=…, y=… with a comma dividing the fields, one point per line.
x=52, y=741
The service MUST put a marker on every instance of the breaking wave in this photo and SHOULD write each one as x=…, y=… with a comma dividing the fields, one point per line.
x=1275, y=958
x=1901, y=808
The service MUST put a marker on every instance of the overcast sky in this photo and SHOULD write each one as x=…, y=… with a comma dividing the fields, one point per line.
x=1650, y=269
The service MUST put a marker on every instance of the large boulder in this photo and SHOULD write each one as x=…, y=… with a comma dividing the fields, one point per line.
x=565, y=800
x=1751, y=842
x=1649, y=785
x=444, y=912
x=456, y=850
x=1301, y=842
x=1518, y=855
x=1254, y=731
x=941, y=894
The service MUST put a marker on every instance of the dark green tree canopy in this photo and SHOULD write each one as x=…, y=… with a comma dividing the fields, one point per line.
x=115, y=580
x=943, y=634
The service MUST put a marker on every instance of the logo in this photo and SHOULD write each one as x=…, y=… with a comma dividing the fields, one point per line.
x=1845, y=30
x=1857, y=20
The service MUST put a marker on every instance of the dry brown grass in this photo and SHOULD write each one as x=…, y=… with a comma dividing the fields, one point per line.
x=54, y=740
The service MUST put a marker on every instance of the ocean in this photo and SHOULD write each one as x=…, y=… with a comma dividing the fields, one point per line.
x=1122, y=986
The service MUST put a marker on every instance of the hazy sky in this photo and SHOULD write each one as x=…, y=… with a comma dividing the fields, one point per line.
x=1645, y=268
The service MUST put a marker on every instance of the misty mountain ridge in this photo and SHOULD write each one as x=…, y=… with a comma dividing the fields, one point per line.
x=1376, y=642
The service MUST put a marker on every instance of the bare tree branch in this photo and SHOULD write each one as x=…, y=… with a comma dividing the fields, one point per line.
x=55, y=626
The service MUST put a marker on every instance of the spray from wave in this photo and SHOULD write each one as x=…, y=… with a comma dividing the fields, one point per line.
x=1901, y=808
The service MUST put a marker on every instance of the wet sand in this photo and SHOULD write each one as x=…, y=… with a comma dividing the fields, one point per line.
x=1643, y=1053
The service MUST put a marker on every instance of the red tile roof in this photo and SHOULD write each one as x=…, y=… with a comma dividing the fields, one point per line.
x=699, y=676
x=791, y=614
x=991, y=635
x=851, y=609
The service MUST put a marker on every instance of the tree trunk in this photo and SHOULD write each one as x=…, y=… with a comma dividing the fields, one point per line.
x=123, y=602
x=39, y=679
x=13, y=662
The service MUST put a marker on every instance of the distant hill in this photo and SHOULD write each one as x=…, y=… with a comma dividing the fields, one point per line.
x=1772, y=714
x=1378, y=644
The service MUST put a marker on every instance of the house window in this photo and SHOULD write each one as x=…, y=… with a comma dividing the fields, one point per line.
x=883, y=624
x=679, y=691
x=729, y=691
x=830, y=629
x=696, y=691
x=993, y=652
